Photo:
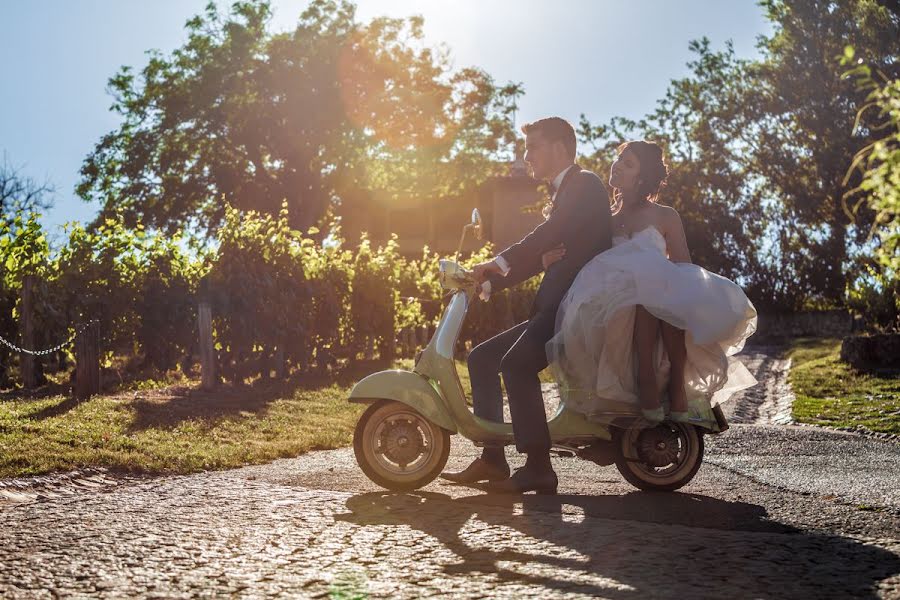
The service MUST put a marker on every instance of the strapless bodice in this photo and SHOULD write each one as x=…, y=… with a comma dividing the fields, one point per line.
x=646, y=237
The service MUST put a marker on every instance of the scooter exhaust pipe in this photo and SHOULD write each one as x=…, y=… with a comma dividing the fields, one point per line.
x=721, y=421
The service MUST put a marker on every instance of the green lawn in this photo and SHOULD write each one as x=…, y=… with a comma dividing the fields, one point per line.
x=829, y=392
x=180, y=429
x=172, y=431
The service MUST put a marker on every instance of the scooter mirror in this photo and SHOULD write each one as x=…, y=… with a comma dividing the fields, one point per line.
x=476, y=223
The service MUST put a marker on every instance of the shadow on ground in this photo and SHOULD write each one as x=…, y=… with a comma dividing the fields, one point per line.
x=616, y=542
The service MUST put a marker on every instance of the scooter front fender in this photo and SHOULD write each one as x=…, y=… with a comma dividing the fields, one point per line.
x=407, y=388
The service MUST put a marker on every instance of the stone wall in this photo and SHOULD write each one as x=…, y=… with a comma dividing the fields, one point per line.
x=822, y=323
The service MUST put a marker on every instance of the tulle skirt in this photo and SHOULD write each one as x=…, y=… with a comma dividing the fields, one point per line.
x=593, y=355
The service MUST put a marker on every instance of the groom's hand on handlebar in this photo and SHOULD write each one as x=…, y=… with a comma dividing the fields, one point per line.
x=481, y=270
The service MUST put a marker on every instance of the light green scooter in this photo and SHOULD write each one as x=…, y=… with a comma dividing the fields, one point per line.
x=402, y=440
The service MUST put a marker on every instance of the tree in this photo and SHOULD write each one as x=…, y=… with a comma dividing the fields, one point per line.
x=698, y=124
x=244, y=117
x=21, y=194
x=878, y=294
x=760, y=149
x=800, y=129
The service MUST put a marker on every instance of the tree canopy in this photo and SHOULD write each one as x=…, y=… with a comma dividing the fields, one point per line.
x=760, y=149
x=245, y=117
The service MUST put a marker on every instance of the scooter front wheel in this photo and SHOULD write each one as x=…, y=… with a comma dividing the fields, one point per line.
x=661, y=458
x=398, y=448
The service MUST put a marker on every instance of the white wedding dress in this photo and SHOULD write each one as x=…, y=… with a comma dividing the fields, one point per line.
x=593, y=355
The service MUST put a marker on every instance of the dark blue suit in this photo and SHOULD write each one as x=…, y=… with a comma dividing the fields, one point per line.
x=580, y=219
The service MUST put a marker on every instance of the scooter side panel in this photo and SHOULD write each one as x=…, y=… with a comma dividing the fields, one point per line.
x=407, y=388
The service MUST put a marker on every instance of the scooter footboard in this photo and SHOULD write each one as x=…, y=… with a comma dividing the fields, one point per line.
x=407, y=388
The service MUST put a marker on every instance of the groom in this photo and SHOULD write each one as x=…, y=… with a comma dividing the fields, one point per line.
x=580, y=219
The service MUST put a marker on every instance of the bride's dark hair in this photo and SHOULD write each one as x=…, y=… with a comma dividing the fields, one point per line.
x=653, y=173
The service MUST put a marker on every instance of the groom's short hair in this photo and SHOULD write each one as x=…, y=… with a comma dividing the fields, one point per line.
x=554, y=129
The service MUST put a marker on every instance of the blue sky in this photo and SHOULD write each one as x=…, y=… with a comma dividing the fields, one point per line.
x=599, y=57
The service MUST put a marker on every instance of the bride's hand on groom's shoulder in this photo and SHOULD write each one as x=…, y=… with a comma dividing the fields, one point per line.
x=553, y=256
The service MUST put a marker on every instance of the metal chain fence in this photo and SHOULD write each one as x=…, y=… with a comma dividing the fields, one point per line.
x=80, y=329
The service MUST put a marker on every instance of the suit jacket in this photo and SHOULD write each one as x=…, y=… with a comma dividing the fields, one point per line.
x=580, y=219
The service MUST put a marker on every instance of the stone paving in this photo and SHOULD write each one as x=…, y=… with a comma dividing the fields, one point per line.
x=769, y=402
x=314, y=527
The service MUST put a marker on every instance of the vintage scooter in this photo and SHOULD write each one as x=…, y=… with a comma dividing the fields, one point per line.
x=402, y=440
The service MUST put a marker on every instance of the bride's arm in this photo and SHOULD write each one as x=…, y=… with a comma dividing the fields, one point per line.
x=676, y=242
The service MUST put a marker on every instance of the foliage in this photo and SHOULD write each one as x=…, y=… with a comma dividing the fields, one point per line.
x=139, y=285
x=829, y=392
x=281, y=300
x=165, y=301
x=802, y=111
x=879, y=190
x=699, y=128
x=760, y=148
x=260, y=293
x=876, y=297
x=308, y=116
x=24, y=252
x=260, y=140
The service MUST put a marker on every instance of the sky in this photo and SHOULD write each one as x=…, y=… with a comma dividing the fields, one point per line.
x=603, y=58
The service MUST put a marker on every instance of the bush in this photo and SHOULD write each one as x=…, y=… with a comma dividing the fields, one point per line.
x=876, y=298
x=281, y=298
x=375, y=298
x=261, y=296
x=166, y=303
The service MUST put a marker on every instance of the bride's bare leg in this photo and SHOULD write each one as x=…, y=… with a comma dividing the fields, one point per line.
x=646, y=328
x=673, y=341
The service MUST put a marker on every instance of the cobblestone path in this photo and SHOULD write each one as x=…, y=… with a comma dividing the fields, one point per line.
x=315, y=527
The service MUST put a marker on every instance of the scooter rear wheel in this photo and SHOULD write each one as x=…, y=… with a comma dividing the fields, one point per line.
x=398, y=448
x=661, y=458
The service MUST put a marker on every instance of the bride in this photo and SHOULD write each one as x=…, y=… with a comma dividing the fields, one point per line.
x=641, y=325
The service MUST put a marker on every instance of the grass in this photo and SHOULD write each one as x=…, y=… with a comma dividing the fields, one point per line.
x=830, y=392
x=144, y=428
x=179, y=429
x=173, y=430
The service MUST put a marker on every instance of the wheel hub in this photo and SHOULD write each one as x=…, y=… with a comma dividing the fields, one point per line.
x=402, y=442
x=658, y=447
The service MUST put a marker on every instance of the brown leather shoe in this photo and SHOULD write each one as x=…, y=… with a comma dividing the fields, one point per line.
x=479, y=470
x=526, y=479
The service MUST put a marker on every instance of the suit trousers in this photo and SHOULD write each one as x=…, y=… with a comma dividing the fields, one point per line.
x=518, y=354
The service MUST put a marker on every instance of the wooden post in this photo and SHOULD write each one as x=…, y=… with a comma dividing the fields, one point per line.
x=207, y=351
x=280, y=362
x=87, y=362
x=27, y=361
x=409, y=344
